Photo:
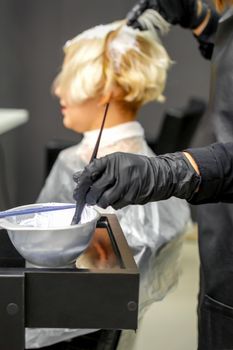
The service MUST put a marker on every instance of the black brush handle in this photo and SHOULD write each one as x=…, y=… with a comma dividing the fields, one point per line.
x=86, y=185
x=94, y=154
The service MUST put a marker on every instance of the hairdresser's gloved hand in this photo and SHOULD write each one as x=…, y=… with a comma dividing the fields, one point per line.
x=187, y=13
x=121, y=179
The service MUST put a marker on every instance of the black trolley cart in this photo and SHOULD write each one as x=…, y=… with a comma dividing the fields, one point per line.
x=103, y=296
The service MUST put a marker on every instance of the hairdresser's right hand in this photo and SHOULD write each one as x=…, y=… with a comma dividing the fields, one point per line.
x=120, y=179
x=187, y=13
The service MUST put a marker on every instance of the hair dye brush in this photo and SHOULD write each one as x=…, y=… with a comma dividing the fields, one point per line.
x=82, y=197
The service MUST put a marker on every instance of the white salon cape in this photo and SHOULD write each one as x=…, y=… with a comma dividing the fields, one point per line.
x=153, y=231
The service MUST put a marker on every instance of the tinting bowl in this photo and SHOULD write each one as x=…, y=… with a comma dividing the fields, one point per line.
x=48, y=239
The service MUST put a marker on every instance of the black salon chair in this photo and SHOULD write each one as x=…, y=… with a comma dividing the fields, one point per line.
x=178, y=127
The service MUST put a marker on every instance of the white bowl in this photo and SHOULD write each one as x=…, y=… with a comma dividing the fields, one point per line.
x=48, y=239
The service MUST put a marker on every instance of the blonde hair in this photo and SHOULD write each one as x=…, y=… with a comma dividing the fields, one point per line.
x=114, y=57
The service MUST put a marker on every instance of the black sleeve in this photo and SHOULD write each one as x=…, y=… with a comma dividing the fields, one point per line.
x=215, y=163
x=207, y=38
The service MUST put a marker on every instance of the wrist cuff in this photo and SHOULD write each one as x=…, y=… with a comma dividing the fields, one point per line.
x=209, y=170
x=206, y=39
x=210, y=29
x=198, y=20
x=182, y=179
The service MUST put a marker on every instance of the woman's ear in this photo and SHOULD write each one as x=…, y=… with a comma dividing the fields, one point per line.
x=105, y=99
x=115, y=94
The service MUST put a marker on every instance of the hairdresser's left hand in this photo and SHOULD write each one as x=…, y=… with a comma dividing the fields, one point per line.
x=187, y=13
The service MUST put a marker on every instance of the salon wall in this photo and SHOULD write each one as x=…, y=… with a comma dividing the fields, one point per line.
x=32, y=33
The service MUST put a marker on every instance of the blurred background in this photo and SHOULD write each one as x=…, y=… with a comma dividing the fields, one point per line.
x=32, y=34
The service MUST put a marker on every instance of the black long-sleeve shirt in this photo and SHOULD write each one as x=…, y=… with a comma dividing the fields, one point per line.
x=215, y=163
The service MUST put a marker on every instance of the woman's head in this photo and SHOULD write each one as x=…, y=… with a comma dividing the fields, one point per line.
x=112, y=63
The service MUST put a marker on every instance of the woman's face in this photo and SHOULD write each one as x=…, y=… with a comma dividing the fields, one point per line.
x=79, y=117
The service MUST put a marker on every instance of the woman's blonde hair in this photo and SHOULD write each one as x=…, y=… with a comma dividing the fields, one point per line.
x=114, y=57
x=221, y=4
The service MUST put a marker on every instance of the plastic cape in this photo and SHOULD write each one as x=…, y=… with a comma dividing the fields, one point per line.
x=154, y=231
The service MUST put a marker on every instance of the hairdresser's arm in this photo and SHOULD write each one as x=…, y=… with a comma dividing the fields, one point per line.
x=203, y=175
x=215, y=165
x=192, y=14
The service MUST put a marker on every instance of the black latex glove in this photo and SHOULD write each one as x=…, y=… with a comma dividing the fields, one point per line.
x=183, y=12
x=120, y=179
